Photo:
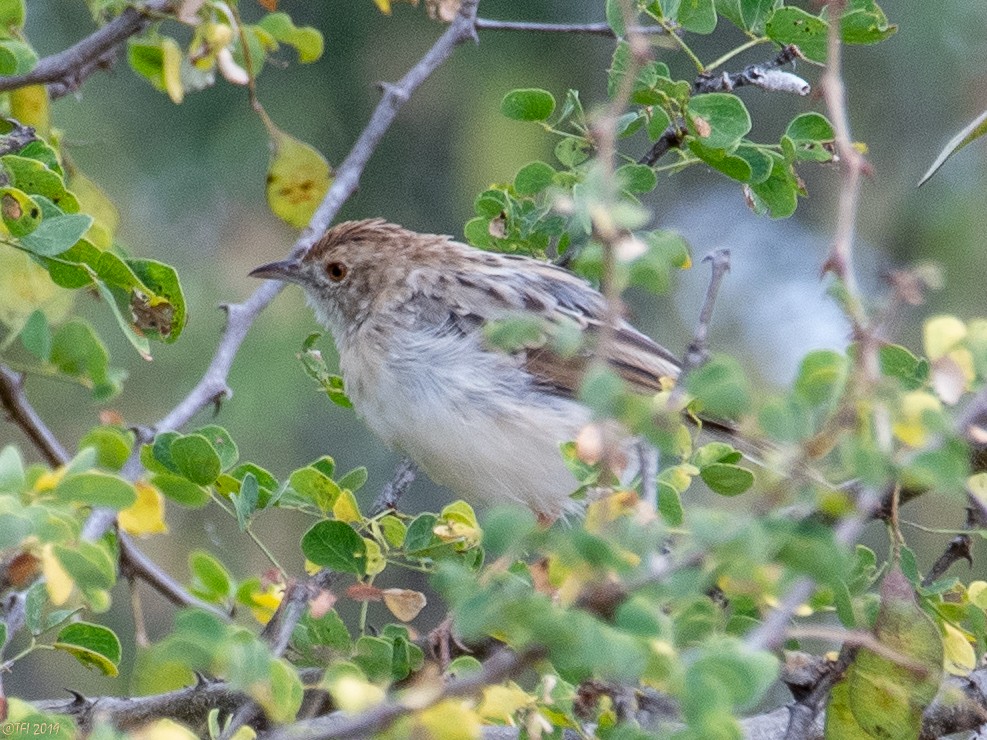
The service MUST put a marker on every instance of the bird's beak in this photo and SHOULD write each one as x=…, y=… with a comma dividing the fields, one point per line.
x=285, y=270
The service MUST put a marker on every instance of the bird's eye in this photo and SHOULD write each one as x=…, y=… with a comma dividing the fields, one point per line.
x=336, y=271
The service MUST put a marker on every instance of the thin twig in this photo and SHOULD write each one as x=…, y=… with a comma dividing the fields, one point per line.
x=404, y=475
x=498, y=668
x=65, y=71
x=591, y=29
x=24, y=416
x=697, y=353
x=135, y=563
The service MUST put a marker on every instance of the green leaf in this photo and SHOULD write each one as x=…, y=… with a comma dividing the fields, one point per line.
x=112, y=445
x=878, y=694
x=137, y=341
x=778, y=194
x=92, y=645
x=865, y=23
x=375, y=656
x=731, y=165
x=754, y=13
x=316, y=486
x=721, y=386
x=420, y=536
x=758, y=161
x=12, y=479
x=95, y=489
x=16, y=57
x=196, y=459
x=354, y=480
x=667, y=251
x=698, y=16
x=615, y=17
x=307, y=40
x=529, y=104
x=333, y=544
x=658, y=123
x=36, y=336
x=973, y=131
x=56, y=235
x=222, y=443
x=180, y=490
x=533, y=178
x=669, y=504
x=898, y=362
x=158, y=60
x=211, y=580
x=37, y=179
x=719, y=120
x=727, y=480
x=12, y=14
x=822, y=376
x=791, y=25
x=163, y=315
x=246, y=501
x=21, y=214
x=637, y=178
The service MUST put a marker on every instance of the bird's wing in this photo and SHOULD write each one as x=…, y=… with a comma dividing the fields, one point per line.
x=499, y=287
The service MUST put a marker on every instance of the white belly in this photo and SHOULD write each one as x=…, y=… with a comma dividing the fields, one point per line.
x=469, y=418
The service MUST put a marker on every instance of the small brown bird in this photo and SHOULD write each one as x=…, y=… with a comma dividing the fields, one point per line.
x=408, y=312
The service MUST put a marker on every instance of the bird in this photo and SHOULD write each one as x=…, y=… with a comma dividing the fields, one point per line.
x=411, y=317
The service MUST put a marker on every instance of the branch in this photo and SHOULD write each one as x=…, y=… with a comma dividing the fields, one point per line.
x=697, y=352
x=67, y=70
x=241, y=316
x=135, y=563
x=500, y=667
x=766, y=75
x=21, y=413
x=404, y=475
x=591, y=29
x=190, y=705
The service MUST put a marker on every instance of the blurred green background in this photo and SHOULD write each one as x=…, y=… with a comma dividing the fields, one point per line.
x=189, y=183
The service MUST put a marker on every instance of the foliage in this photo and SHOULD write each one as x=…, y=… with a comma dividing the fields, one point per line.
x=641, y=598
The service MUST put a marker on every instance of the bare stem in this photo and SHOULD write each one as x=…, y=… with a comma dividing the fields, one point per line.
x=65, y=71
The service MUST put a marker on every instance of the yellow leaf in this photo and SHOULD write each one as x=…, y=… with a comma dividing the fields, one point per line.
x=404, y=603
x=501, y=702
x=910, y=427
x=57, y=581
x=163, y=729
x=384, y=6
x=452, y=719
x=146, y=514
x=350, y=689
x=30, y=106
x=263, y=604
x=346, y=509
x=297, y=179
x=941, y=334
x=375, y=558
x=171, y=69
x=94, y=201
x=958, y=656
x=25, y=287
x=976, y=592
x=311, y=568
